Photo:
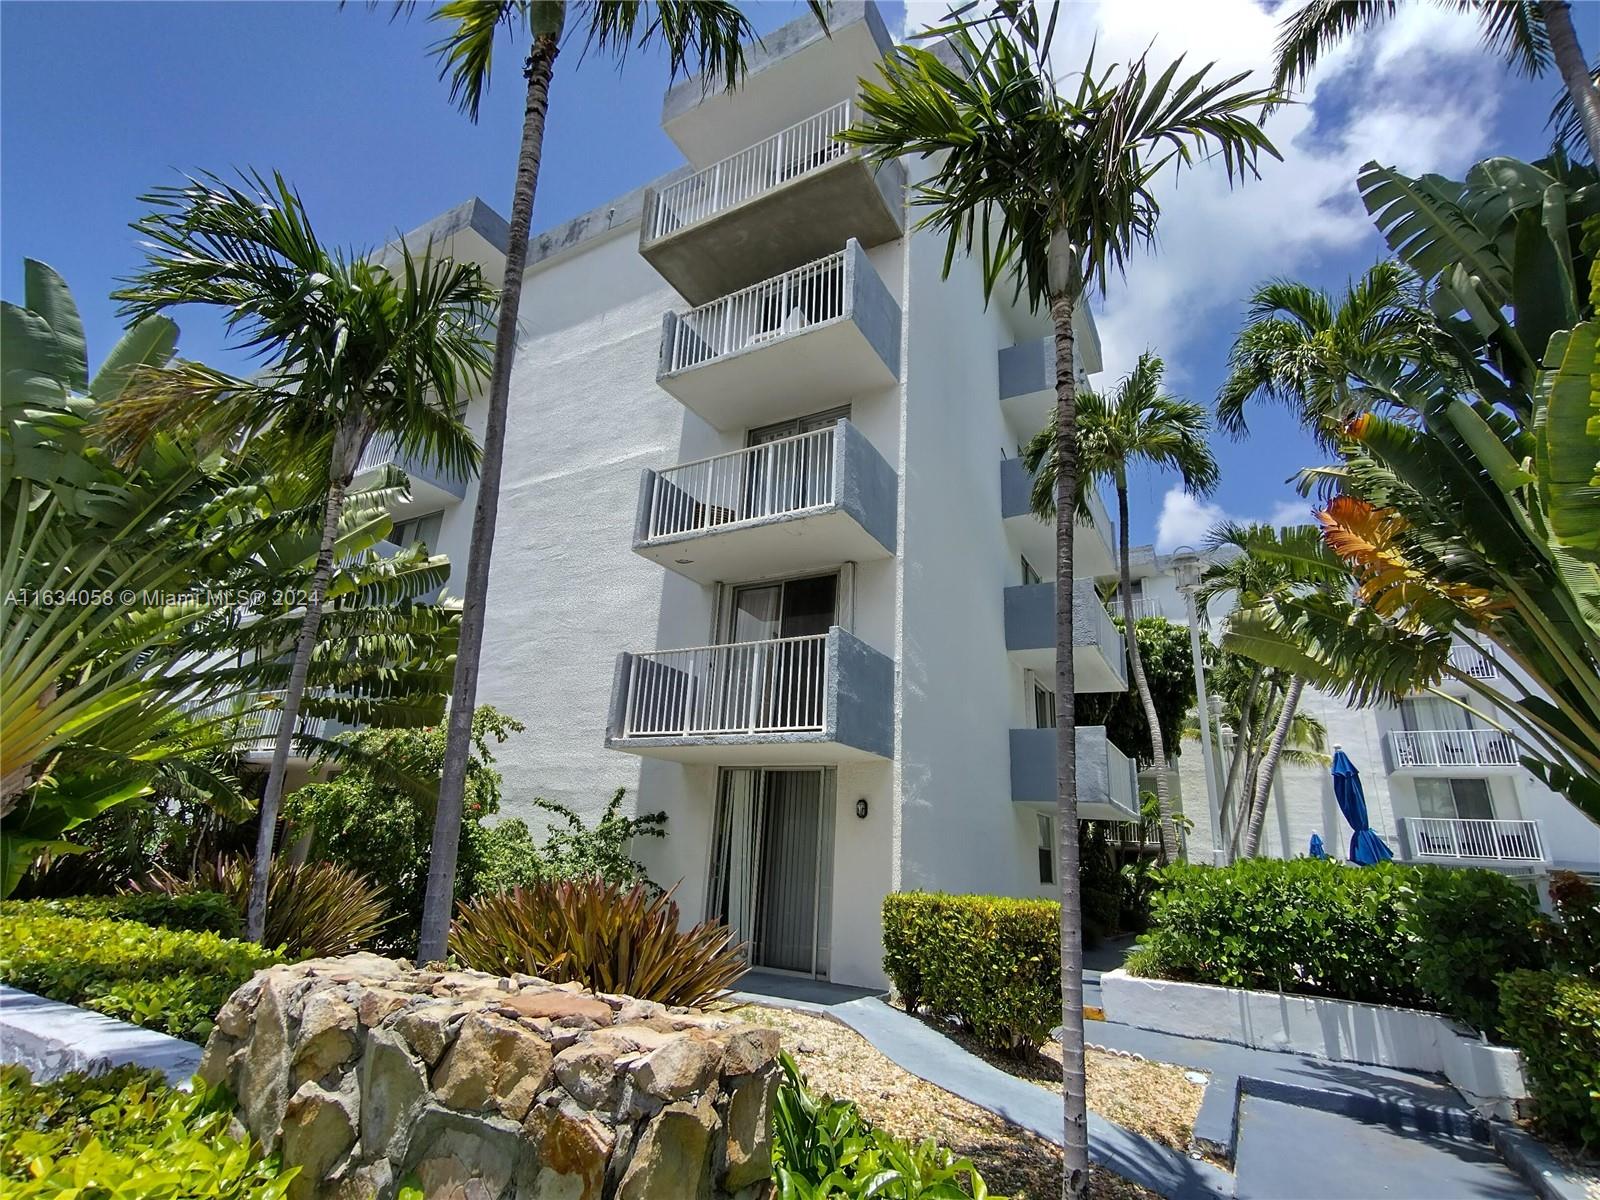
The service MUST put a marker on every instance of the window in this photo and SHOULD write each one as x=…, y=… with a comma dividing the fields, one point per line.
x=1455, y=799
x=424, y=529
x=1047, y=848
x=1044, y=707
x=1029, y=575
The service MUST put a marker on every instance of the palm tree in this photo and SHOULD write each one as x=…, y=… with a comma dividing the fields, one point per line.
x=1138, y=422
x=1266, y=566
x=703, y=36
x=1528, y=34
x=353, y=348
x=1325, y=358
x=1054, y=189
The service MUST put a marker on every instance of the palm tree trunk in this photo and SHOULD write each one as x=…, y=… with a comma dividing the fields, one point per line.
x=1158, y=744
x=348, y=444
x=1574, y=71
x=1252, y=768
x=438, y=902
x=1269, y=766
x=1074, y=1117
x=1241, y=741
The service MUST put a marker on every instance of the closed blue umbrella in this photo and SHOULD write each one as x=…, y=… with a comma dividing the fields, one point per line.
x=1316, y=846
x=1366, y=847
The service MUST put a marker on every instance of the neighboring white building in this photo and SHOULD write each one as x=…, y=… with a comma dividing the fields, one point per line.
x=763, y=554
x=1440, y=787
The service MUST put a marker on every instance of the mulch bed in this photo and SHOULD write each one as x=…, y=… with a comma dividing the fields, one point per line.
x=1012, y=1161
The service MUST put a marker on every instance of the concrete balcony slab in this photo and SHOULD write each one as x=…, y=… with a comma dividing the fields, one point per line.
x=1107, y=781
x=798, y=504
x=1098, y=654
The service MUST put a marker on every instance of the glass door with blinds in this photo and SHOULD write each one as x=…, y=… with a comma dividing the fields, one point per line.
x=778, y=656
x=772, y=865
x=791, y=467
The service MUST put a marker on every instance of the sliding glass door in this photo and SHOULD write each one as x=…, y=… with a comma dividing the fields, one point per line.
x=772, y=865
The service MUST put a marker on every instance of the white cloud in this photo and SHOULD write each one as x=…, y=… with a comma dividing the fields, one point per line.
x=1424, y=100
x=1185, y=520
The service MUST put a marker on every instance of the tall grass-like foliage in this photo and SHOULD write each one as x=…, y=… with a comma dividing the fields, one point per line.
x=606, y=936
x=314, y=910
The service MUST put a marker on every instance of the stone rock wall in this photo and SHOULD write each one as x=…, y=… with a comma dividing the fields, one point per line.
x=367, y=1074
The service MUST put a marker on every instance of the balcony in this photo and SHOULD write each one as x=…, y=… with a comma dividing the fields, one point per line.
x=1108, y=786
x=1470, y=662
x=819, y=333
x=1092, y=554
x=1028, y=375
x=430, y=488
x=787, y=199
x=800, y=503
x=1450, y=751
x=1098, y=653
x=827, y=698
x=1461, y=840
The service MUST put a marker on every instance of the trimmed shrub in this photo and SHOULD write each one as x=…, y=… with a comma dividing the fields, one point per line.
x=1554, y=1020
x=170, y=980
x=314, y=910
x=1466, y=927
x=1416, y=936
x=988, y=962
x=823, y=1147
x=198, y=912
x=126, y=1134
x=606, y=936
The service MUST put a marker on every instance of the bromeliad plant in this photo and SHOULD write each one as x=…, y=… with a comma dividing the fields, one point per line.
x=1466, y=499
x=607, y=936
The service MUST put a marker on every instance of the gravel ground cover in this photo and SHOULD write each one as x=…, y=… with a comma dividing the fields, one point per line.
x=1013, y=1161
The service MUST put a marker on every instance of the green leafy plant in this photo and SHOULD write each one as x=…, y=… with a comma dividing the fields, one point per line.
x=369, y=819
x=1554, y=1020
x=607, y=936
x=1573, y=934
x=314, y=909
x=170, y=980
x=1424, y=937
x=990, y=963
x=125, y=1134
x=824, y=1149
x=201, y=912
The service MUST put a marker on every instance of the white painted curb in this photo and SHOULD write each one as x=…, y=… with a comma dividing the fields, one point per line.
x=1489, y=1076
x=53, y=1039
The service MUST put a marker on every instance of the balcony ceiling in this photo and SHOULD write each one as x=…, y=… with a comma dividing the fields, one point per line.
x=797, y=71
x=775, y=749
x=794, y=543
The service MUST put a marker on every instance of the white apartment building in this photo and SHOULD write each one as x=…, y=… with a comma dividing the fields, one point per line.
x=763, y=554
x=1440, y=786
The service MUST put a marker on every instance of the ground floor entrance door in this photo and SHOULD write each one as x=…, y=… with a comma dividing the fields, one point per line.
x=772, y=864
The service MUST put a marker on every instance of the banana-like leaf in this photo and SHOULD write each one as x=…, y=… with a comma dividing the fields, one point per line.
x=1569, y=446
x=1423, y=222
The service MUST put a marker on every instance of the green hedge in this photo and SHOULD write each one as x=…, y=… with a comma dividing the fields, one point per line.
x=991, y=963
x=166, y=979
x=198, y=912
x=1555, y=1021
x=126, y=1134
x=1416, y=936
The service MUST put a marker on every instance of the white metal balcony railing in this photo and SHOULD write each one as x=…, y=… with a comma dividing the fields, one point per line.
x=1452, y=748
x=258, y=726
x=747, y=173
x=777, y=478
x=763, y=312
x=1452, y=837
x=1468, y=660
x=774, y=686
x=1143, y=606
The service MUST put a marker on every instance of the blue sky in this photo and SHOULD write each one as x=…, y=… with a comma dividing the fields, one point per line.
x=103, y=101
